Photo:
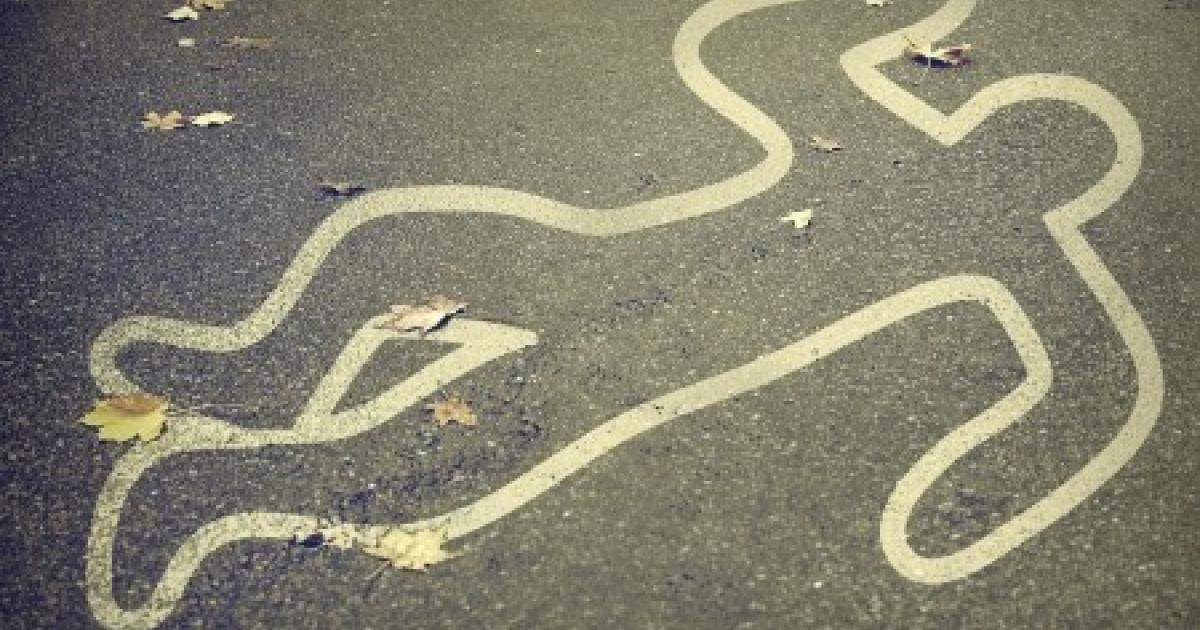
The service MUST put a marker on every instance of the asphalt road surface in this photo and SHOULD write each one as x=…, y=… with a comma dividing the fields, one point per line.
x=962, y=395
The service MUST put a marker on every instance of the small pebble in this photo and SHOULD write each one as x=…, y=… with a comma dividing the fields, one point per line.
x=187, y=42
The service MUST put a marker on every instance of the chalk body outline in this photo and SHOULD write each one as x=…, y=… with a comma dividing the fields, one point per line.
x=481, y=342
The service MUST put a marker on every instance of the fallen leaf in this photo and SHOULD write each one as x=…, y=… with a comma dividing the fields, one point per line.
x=411, y=550
x=406, y=318
x=825, y=145
x=211, y=5
x=924, y=53
x=124, y=416
x=211, y=119
x=249, y=43
x=163, y=122
x=182, y=14
x=800, y=218
x=423, y=317
x=452, y=408
x=878, y=3
x=341, y=189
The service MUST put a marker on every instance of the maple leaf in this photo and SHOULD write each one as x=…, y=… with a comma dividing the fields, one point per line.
x=948, y=57
x=163, y=122
x=411, y=550
x=824, y=145
x=182, y=14
x=125, y=416
x=452, y=408
x=341, y=189
x=211, y=119
x=423, y=317
x=800, y=218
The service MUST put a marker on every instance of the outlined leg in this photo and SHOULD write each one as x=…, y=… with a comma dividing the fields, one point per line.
x=1064, y=225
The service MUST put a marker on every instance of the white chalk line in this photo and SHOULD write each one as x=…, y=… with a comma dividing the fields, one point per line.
x=202, y=433
x=480, y=343
x=1063, y=223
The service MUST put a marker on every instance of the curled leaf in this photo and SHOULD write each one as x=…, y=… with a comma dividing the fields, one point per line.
x=341, y=189
x=423, y=317
x=182, y=14
x=211, y=119
x=924, y=53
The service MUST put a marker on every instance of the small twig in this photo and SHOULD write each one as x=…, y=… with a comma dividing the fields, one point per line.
x=373, y=578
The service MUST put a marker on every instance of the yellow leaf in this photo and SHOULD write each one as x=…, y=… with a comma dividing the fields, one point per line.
x=453, y=408
x=163, y=122
x=125, y=416
x=411, y=550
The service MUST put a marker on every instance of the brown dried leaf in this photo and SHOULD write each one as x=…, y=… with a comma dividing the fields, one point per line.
x=452, y=408
x=424, y=317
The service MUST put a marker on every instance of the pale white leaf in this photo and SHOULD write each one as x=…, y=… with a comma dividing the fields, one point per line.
x=800, y=218
x=211, y=119
x=182, y=14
